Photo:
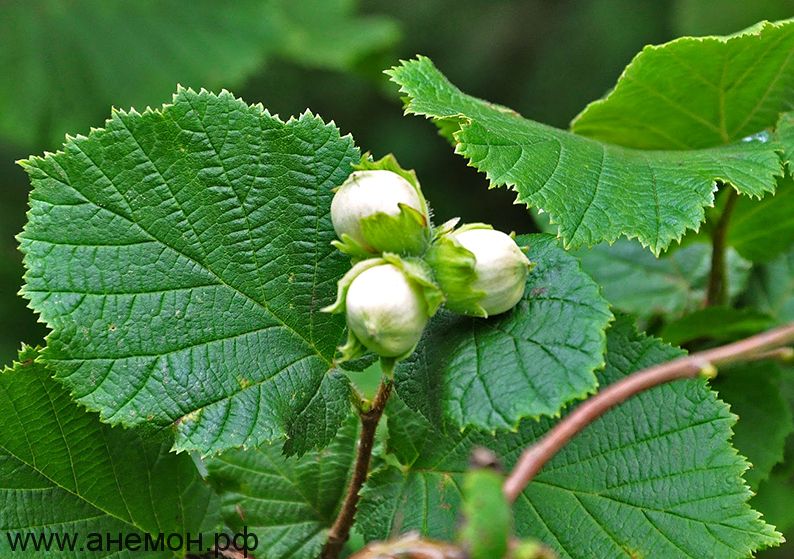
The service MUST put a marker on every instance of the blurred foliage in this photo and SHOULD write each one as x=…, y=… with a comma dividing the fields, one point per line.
x=73, y=59
x=636, y=282
x=722, y=17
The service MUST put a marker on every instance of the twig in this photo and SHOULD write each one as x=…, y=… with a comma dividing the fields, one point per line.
x=783, y=354
x=534, y=457
x=717, y=293
x=340, y=531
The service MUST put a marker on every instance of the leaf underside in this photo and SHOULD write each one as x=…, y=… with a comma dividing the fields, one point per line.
x=181, y=257
x=636, y=282
x=596, y=191
x=530, y=361
x=64, y=472
x=654, y=477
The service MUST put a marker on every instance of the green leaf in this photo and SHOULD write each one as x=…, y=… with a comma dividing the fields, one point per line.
x=695, y=92
x=715, y=323
x=636, y=282
x=289, y=503
x=760, y=230
x=64, y=472
x=654, y=477
x=96, y=54
x=181, y=257
x=594, y=191
x=771, y=288
x=530, y=361
x=753, y=391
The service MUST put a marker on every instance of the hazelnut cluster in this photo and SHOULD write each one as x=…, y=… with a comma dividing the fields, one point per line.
x=404, y=269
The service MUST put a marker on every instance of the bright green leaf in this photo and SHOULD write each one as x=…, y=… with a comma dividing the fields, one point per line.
x=530, y=361
x=64, y=472
x=654, y=477
x=71, y=60
x=592, y=190
x=636, y=282
x=289, y=503
x=698, y=92
x=181, y=257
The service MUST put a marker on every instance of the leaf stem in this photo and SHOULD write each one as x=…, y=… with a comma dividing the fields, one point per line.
x=536, y=456
x=340, y=530
x=717, y=293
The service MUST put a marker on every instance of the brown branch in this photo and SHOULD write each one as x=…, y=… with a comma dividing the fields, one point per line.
x=783, y=354
x=536, y=456
x=340, y=531
x=717, y=293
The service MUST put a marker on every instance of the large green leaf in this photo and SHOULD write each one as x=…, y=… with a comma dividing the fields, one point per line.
x=654, y=477
x=636, y=282
x=181, y=257
x=753, y=391
x=698, y=92
x=62, y=472
x=530, y=361
x=595, y=191
x=289, y=503
x=72, y=59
